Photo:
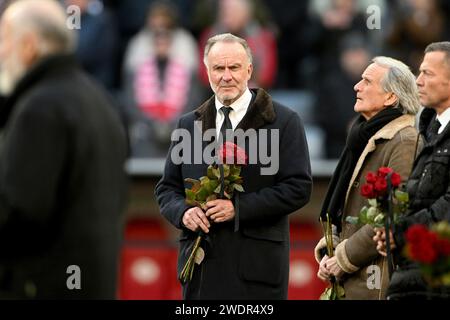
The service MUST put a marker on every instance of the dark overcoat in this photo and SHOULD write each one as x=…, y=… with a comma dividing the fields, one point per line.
x=429, y=194
x=247, y=258
x=62, y=186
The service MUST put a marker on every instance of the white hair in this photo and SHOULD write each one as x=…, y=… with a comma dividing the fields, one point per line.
x=47, y=19
x=226, y=37
x=401, y=82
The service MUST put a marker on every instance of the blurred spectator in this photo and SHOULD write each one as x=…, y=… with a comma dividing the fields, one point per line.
x=415, y=24
x=328, y=26
x=62, y=154
x=159, y=80
x=293, y=40
x=97, y=47
x=336, y=96
x=238, y=17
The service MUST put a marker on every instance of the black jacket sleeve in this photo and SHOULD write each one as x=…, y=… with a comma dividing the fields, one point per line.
x=439, y=211
x=169, y=191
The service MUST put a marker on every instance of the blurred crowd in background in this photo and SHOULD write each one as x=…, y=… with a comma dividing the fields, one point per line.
x=149, y=55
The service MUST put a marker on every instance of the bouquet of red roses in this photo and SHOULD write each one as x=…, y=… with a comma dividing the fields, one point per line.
x=430, y=247
x=376, y=191
x=221, y=180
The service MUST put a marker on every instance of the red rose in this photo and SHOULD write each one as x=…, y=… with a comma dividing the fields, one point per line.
x=367, y=191
x=423, y=254
x=423, y=244
x=443, y=246
x=384, y=171
x=415, y=233
x=371, y=177
x=395, y=179
x=380, y=185
x=230, y=153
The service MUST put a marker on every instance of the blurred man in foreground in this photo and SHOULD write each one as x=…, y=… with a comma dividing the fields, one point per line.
x=62, y=151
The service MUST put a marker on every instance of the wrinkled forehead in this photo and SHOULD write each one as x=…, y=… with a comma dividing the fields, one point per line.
x=374, y=71
x=230, y=51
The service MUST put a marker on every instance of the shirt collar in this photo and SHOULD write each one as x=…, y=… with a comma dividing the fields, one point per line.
x=444, y=119
x=240, y=104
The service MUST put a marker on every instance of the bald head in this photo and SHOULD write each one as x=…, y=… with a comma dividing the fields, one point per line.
x=46, y=19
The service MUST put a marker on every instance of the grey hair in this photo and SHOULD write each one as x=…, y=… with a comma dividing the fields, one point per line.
x=50, y=26
x=226, y=37
x=400, y=81
x=443, y=46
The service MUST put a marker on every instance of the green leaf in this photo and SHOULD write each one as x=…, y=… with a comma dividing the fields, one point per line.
x=371, y=213
x=379, y=219
x=235, y=170
x=211, y=197
x=210, y=172
x=364, y=210
x=326, y=294
x=216, y=172
x=209, y=185
x=373, y=202
x=340, y=292
x=213, y=185
x=233, y=178
x=352, y=220
x=401, y=196
x=226, y=170
x=238, y=187
x=190, y=195
x=202, y=194
x=363, y=215
x=195, y=184
x=204, y=180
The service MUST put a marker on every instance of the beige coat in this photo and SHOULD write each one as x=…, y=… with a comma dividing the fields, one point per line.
x=366, y=275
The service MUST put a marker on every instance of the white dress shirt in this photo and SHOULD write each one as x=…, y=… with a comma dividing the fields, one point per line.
x=444, y=119
x=240, y=107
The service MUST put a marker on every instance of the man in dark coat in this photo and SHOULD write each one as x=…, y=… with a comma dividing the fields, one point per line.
x=62, y=151
x=247, y=243
x=429, y=183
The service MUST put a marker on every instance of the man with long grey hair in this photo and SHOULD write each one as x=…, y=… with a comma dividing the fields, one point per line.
x=384, y=135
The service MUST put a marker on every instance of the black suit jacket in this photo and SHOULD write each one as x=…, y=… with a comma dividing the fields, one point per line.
x=62, y=185
x=251, y=262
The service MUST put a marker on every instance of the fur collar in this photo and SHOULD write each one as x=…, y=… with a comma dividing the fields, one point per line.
x=387, y=133
x=390, y=129
x=260, y=112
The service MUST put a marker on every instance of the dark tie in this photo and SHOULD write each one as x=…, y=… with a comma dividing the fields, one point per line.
x=226, y=124
x=433, y=129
